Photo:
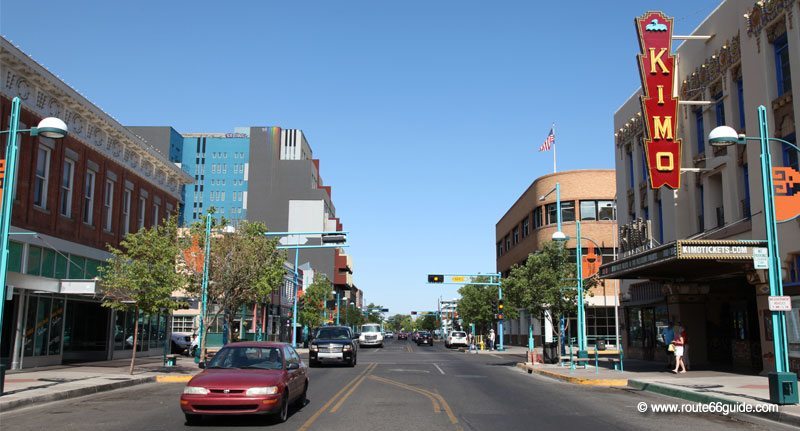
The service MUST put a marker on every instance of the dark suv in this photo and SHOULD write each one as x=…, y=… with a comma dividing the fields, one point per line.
x=424, y=338
x=333, y=344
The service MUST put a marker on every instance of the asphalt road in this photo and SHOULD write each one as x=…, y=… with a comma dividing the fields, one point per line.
x=398, y=387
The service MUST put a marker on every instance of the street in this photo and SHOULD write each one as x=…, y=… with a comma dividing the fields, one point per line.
x=400, y=386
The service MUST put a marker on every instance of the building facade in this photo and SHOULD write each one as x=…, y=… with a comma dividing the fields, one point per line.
x=74, y=197
x=586, y=195
x=721, y=300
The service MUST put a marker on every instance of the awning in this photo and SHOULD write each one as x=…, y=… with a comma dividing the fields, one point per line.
x=686, y=260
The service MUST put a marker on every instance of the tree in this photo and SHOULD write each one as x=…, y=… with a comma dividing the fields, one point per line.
x=545, y=282
x=475, y=305
x=352, y=316
x=374, y=316
x=399, y=322
x=314, y=298
x=429, y=322
x=141, y=274
x=245, y=266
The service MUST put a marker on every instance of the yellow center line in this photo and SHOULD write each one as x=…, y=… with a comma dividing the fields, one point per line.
x=352, y=389
x=440, y=398
x=436, y=408
x=307, y=424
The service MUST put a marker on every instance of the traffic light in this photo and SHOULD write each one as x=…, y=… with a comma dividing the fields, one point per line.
x=413, y=313
x=435, y=278
x=500, y=306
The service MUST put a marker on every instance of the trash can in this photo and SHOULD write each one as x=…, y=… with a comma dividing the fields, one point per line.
x=600, y=345
x=550, y=353
x=782, y=388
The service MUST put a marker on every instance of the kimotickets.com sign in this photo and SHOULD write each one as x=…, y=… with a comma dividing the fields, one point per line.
x=659, y=107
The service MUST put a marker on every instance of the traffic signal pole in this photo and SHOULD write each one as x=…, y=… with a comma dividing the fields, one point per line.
x=502, y=316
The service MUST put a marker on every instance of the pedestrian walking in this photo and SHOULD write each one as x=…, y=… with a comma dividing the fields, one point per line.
x=668, y=334
x=491, y=339
x=471, y=341
x=679, y=341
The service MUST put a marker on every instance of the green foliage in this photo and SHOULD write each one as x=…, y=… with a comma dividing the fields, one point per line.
x=374, y=316
x=546, y=281
x=399, y=322
x=351, y=315
x=475, y=305
x=314, y=298
x=428, y=322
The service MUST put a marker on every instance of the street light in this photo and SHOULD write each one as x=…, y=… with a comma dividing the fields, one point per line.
x=49, y=127
x=558, y=235
x=781, y=382
x=336, y=292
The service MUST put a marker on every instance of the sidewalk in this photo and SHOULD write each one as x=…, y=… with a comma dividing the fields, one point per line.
x=41, y=385
x=697, y=386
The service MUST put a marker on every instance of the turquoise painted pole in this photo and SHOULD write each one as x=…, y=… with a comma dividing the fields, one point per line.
x=558, y=206
x=582, y=353
x=199, y=354
x=12, y=149
x=294, y=299
x=337, y=307
x=500, y=322
x=774, y=270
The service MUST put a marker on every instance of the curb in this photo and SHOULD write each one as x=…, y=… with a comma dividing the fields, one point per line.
x=173, y=379
x=697, y=397
x=72, y=393
x=572, y=379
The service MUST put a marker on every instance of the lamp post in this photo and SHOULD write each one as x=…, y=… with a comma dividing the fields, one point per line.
x=49, y=127
x=201, y=334
x=336, y=292
x=331, y=239
x=558, y=236
x=781, y=381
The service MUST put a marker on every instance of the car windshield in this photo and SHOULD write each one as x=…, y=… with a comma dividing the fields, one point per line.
x=267, y=358
x=333, y=334
x=425, y=334
x=370, y=328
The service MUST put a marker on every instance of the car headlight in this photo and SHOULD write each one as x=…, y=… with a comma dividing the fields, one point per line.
x=195, y=390
x=361, y=337
x=267, y=390
x=314, y=347
x=347, y=347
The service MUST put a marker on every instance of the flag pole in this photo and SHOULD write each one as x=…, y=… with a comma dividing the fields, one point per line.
x=554, y=147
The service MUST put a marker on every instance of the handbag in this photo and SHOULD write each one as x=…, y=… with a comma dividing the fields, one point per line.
x=671, y=347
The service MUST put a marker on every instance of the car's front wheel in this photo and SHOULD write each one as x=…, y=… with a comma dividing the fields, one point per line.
x=301, y=401
x=193, y=419
x=283, y=414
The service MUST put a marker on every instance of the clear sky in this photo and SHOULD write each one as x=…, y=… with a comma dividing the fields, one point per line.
x=426, y=115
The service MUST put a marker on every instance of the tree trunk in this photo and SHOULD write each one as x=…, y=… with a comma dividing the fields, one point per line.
x=229, y=319
x=135, y=339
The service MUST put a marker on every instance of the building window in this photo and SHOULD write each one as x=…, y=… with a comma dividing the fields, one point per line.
x=515, y=235
x=700, y=136
x=567, y=211
x=537, y=217
x=783, y=74
x=526, y=227
x=746, y=191
x=88, y=197
x=552, y=215
x=67, y=182
x=142, y=209
x=182, y=324
x=126, y=211
x=629, y=157
x=588, y=210
x=606, y=210
x=508, y=242
x=740, y=96
x=790, y=155
x=156, y=213
x=108, y=205
x=719, y=109
x=41, y=181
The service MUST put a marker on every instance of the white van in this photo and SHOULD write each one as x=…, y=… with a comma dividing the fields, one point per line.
x=371, y=335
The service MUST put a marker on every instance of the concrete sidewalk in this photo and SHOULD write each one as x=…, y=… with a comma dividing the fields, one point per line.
x=41, y=385
x=701, y=386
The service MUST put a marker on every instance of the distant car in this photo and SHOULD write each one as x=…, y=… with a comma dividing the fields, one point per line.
x=333, y=344
x=388, y=335
x=456, y=338
x=425, y=338
x=371, y=335
x=180, y=342
x=402, y=335
x=247, y=378
x=414, y=336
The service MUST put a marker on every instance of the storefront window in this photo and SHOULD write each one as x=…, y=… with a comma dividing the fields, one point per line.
x=635, y=327
x=662, y=322
x=56, y=326
x=144, y=331
x=793, y=327
x=119, y=330
x=129, y=322
x=162, y=328
x=154, y=331
x=42, y=326
x=30, y=325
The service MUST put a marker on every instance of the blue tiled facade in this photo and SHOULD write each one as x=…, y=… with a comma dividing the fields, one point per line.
x=219, y=164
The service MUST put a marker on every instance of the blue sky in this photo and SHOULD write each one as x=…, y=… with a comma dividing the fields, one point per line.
x=426, y=116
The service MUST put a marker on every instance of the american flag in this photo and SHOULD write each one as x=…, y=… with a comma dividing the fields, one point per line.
x=548, y=142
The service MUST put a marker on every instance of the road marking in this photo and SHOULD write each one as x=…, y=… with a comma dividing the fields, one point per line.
x=470, y=376
x=405, y=370
x=350, y=392
x=436, y=408
x=438, y=368
x=307, y=424
x=447, y=409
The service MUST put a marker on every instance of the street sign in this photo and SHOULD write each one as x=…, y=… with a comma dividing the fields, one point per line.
x=780, y=303
x=760, y=258
x=458, y=279
x=293, y=240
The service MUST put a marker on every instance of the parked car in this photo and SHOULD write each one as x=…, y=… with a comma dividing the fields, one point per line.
x=371, y=335
x=247, y=378
x=333, y=344
x=402, y=335
x=424, y=337
x=180, y=342
x=456, y=338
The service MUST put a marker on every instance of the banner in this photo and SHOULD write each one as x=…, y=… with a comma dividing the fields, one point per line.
x=659, y=107
x=787, y=193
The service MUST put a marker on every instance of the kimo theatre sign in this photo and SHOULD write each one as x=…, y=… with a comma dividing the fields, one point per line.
x=659, y=103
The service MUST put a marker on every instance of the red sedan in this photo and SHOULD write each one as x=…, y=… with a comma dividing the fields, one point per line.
x=247, y=378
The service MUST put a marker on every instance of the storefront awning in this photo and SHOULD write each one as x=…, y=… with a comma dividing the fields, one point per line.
x=686, y=260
